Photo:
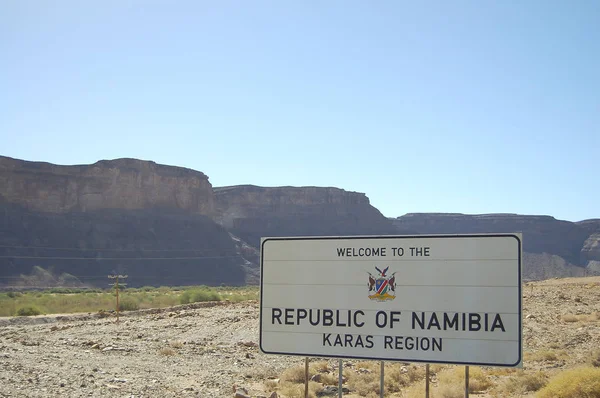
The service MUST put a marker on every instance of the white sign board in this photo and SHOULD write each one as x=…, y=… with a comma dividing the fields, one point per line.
x=452, y=299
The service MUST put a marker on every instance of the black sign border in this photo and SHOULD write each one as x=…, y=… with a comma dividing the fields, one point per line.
x=361, y=237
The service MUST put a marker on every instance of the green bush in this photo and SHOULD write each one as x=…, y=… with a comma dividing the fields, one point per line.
x=128, y=304
x=199, y=295
x=573, y=383
x=185, y=297
x=28, y=311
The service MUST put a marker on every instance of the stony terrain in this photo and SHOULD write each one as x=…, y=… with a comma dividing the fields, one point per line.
x=205, y=349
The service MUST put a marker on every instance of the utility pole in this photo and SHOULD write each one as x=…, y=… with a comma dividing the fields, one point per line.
x=116, y=278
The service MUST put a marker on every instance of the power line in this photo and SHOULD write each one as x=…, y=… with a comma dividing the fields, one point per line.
x=106, y=250
x=120, y=258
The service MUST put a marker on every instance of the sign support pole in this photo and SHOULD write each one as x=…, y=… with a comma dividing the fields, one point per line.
x=466, y=382
x=381, y=381
x=427, y=381
x=306, y=377
x=117, y=289
x=340, y=381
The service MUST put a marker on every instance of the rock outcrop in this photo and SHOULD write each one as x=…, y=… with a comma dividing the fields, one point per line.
x=553, y=247
x=108, y=184
x=252, y=212
x=541, y=234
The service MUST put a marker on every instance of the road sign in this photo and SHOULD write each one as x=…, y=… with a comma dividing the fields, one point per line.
x=452, y=299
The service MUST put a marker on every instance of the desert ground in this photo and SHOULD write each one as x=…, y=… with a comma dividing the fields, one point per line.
x=210, y=350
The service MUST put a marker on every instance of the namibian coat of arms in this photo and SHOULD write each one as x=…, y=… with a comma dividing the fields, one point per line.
x=383, y=286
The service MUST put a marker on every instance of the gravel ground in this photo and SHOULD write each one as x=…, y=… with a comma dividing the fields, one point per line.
x=182, y=352
x=205, y=349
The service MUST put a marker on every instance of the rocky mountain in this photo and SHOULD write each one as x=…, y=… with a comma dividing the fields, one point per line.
x=166, y=225
x=108, y=184
x=159, y=224
x=253, y=212
x=552, y=247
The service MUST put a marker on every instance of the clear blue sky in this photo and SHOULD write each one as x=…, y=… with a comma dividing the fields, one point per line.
x=428, y=106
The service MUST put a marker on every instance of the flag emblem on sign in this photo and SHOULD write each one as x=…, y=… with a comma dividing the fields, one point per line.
x=383, y=286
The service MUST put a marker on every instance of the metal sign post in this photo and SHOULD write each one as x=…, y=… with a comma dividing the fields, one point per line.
x=340, y=378
x=466, y=382
x=427, y=381
x=306, y=377
x=381, y=381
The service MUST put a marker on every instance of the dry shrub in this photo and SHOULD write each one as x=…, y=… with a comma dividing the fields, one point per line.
x=569, y=318
x=372, y=366
x=478, y=380
x=450, y=391
x=574, y=383
x=363, y=383
x=167, y=351
x=294, y=375
x=523, y=382
x=319, y=367
x=271, y=385
x=417, y=390
x=329, y=379
x=437, y=368
x=176, y=344
x=294, y=390
x=593, y=317
x=499, y=371
x=396, y=376
x=544, y=355
x=595, y=359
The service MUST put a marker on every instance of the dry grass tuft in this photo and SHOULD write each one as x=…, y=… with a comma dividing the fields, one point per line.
x=569, y=318
x=294, y=375
x=500, y=371
x=294, y=390
x=271, y=385
x=593, y=317
x=544, y=355
x=167, y=351
x=574, y=383
x=363, y=383
x=523, y=382
x=450, y=391
x=176, y=344
x=478, y=380
x=319, y=367
x=595, y=359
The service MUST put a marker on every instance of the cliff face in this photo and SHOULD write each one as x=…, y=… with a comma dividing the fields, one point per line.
x=152, y=247
x=109, y=184
x=252, y=212
x=168, y=225
x=129, y=216
x=563, y=244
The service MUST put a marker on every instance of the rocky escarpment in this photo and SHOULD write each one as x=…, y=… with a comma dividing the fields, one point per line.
x=151, y=247
x=147, y=220
x=107, y=184
x=168, y=225
x=554, y=247
x=252, y=212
